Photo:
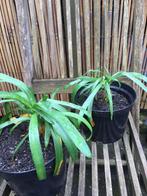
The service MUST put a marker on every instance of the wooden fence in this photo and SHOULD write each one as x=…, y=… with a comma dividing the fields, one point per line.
x=48, y=42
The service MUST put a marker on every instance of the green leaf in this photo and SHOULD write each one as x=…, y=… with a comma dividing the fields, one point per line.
x=12, y=129
x=58, y=151
x=67, y=141
x=47, y=134
x=35, y=147
x=78, y=117
x=135, y=80
x=21, y=85
x=90, y=99
x=73, y=134
x=69, y=105
x=14, y=121
x=16, y=96
x=20, y=143
x=109, y=96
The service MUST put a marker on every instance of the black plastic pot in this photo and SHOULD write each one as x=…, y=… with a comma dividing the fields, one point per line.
x=105, y=129
x=27, y=184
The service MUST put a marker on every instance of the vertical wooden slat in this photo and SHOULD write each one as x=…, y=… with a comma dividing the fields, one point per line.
x=141, y=156
x=82, y=170
x=78, y=36
x=69, y=181
x=107, y=39
x=97, y=15
x=61, y=40
x=138, y=34
x=120, y=172
x=131, y=165
x=115, y=34
x=69, y=38
x=52, y=42
x=35, y=47
x=125, y=34
x=47, y=69
x=87, y=32
x=95, y=190
x=107, y=171
x=25, y=40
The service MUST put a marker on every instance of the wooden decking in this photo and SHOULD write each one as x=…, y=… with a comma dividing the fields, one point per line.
x=126, y=157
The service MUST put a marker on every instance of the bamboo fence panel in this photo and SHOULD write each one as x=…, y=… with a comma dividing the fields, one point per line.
x=103, y=35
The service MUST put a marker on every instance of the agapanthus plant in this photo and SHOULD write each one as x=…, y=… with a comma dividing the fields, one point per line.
x=59, y=122
x=95, y=81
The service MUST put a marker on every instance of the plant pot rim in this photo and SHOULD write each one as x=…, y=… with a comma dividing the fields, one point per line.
x=27, y=171
x=133, y=96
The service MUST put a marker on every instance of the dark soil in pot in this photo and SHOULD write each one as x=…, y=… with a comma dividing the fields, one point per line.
x=106, y=130
x=19, y=170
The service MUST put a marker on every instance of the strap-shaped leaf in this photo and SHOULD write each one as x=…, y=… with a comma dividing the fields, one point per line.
x=35, y=147
x=14, y=121
x=69, y=105
x=73, y=134
x=47, y=134
x=21, y=143
x=135, y=80
x=89, y=101
x=58, y=152
x=16, y=96
x=109, y=96
x=80, y=118
x=21, y=85
x=67, y=141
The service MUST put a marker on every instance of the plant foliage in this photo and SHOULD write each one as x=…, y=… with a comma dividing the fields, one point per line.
x=60, y=124
x=95, y=81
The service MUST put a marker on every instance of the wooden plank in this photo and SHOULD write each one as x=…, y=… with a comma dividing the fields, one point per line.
x=82, y=170
x=47, y=69
x=69, y=181
x=95, y=189
x=125, y=34
x=52, y=42
x=69, y=38
x=61, y=40
x=97, y=14
x=101, y=162
x=87, y=32
x=120, y=172
x=48, y=85
x=35, y=47
x=115, y=35
x=25, y=40
x=131, y=166
x=107, y=171
x=139, y=150
x=78, y=36
x=107, y=39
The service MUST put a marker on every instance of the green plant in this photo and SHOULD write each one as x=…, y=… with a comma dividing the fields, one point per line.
x=95, y=81
x=59, y=123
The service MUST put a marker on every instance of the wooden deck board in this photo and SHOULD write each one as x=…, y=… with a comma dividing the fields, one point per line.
x=108, y=180
x=82, y=170
x=131, y=166
x=120, y=172
x=95, y=191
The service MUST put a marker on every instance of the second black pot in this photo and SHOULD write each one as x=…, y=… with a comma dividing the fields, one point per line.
x=105, y=129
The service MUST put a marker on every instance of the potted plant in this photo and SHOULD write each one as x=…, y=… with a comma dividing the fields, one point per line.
x=33, y=142
x=107, y=99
